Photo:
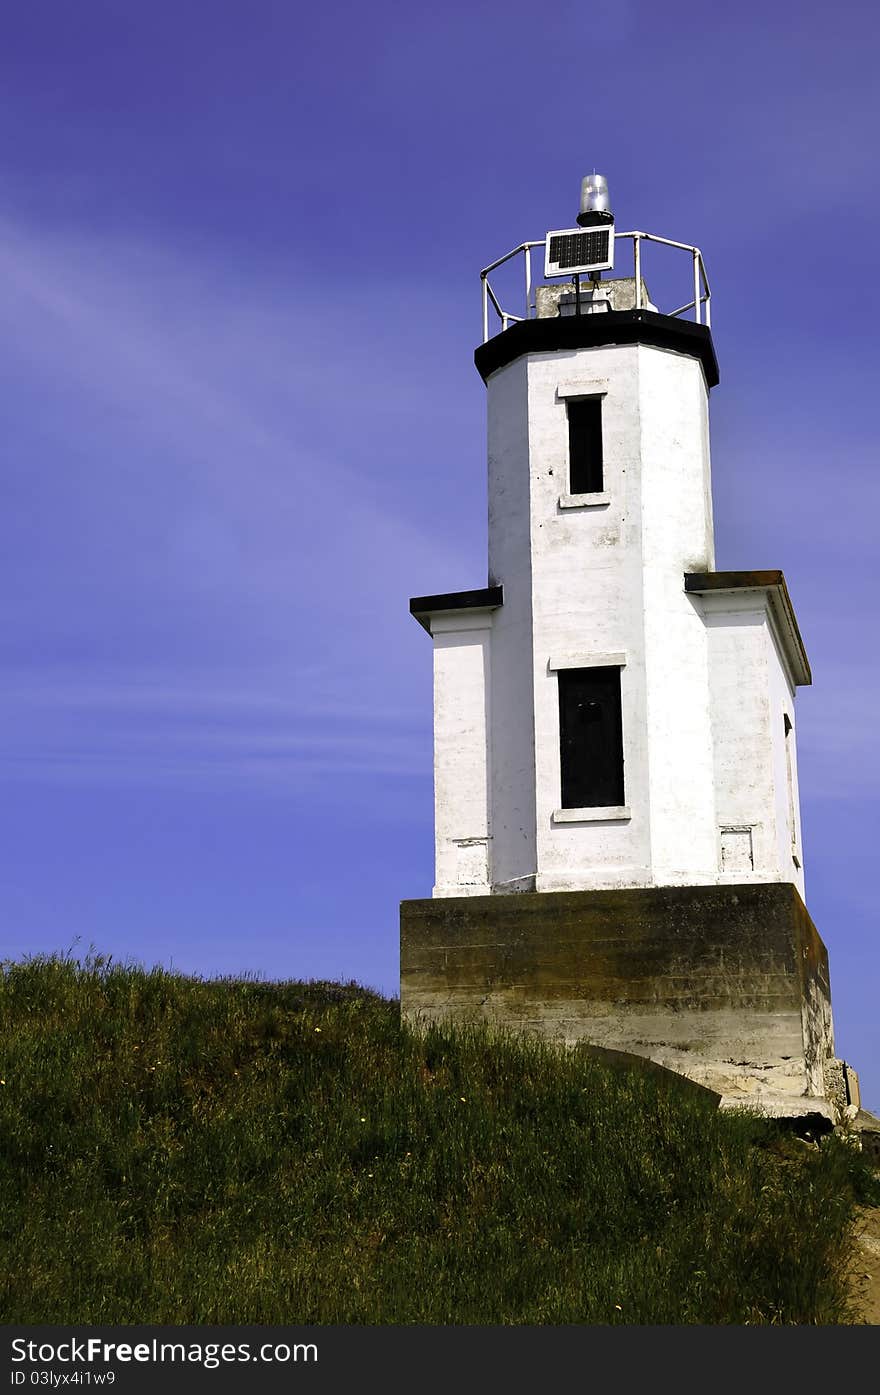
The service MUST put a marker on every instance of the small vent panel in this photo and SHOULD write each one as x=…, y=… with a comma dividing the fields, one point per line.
x=573, y=250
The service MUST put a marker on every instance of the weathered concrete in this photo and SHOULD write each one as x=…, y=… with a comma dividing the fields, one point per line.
x=661, y=1075
x=866, y=1126
x=622, y=577
x=727, y=985
x=461, y=695
x=620, y=293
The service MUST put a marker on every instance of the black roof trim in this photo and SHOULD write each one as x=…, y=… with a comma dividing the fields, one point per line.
x=731, y=581
x=592, y=331
x=423, y=607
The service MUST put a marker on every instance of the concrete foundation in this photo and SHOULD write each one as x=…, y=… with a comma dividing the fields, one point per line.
x=727, y=985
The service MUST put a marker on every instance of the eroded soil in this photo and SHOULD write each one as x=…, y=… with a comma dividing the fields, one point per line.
x=866, y=1275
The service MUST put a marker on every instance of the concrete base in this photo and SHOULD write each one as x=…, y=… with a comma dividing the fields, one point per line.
x=787, y=1107
x=727, y=985
x=866, y=1127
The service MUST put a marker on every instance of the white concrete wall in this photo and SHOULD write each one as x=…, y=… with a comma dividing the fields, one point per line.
x=751, y=690
x=607, y=579
x=676, y=538
x=740, y=701
x=587, y=604
x=790, y=855
x=601, y=579
x=512, y=797
x=462, y=667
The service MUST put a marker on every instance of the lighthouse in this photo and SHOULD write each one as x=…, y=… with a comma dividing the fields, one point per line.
x=618, y=850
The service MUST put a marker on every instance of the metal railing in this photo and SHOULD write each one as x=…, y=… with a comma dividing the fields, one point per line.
x=702, y=294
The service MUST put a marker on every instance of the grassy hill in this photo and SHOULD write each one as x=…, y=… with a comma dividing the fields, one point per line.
x=175, y=1150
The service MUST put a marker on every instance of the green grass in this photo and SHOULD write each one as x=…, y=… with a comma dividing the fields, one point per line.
x=182, y=1151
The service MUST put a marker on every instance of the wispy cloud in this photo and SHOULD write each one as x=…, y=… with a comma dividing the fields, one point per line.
x=57, y=728
x=201, y=583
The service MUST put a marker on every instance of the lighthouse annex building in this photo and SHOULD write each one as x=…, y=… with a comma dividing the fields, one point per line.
x=618, y=853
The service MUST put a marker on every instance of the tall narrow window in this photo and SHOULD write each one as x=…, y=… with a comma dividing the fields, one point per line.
x=585, y=445
x=591, y=738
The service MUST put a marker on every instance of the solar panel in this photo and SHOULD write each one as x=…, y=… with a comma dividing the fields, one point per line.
x=579, y=249
x=574, y=250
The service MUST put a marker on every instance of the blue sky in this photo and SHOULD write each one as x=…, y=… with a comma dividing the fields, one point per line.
x=239, y=255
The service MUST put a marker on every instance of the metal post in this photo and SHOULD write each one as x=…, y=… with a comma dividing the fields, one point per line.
x=637, y=263
x=528, y=252
x=697, y=285
x=577, y=293
x=485, y=311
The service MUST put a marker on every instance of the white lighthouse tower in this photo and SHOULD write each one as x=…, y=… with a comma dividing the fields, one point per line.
x=617, y=829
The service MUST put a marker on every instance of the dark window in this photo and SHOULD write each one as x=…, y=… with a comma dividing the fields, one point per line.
x=591, y=738
x=585, y=445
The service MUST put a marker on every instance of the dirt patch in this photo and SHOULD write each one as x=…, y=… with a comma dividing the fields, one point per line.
x=866, y=1269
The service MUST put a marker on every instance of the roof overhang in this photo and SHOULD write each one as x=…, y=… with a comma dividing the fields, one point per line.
x=427, y=608
x=771, y=586
x=593, y=331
